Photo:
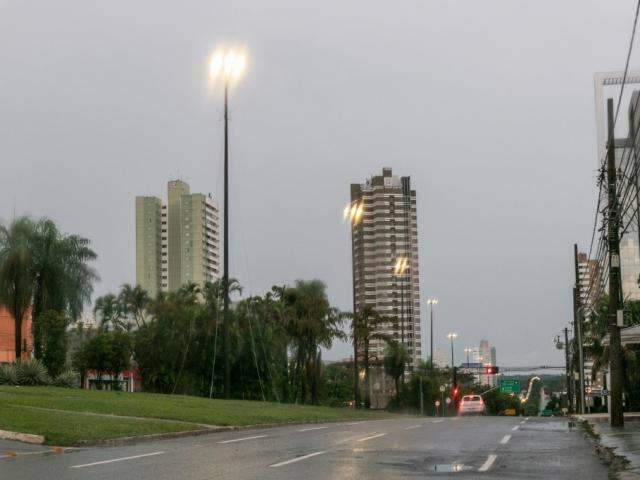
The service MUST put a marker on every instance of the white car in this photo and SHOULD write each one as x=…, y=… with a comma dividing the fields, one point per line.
x=471, y=405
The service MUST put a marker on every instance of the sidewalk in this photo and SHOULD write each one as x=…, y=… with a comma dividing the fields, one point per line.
x=624, y=442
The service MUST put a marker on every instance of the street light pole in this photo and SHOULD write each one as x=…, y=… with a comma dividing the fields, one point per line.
x=452, y=336
x=353, y=212
x=225, y=274
x=229, y=65
x=431, y=302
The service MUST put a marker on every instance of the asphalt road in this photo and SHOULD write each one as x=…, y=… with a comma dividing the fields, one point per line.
x=407, y=447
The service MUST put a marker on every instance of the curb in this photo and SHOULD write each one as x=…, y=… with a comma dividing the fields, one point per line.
x=618, y=464
x=21, y=437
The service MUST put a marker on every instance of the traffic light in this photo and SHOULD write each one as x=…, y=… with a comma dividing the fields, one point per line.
x=491, y=370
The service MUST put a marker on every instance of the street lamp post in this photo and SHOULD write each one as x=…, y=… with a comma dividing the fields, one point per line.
x=452, y=336
x=227, y=65
x=431, y=302
x=353, y=213
x=401, y=266
x=454, y=382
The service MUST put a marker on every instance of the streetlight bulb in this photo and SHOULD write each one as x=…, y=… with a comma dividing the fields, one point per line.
x=452, y=335
x=228, y=64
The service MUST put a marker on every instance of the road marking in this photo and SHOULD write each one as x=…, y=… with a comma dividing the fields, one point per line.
x=522, y=422
x=505, y=439
x=116, y=460
x=313, y=428
x=527, y=419
x=413, y=426
x=297, y=459
x=356, y=423
x=515, y=428
x=487, y=464
x=243, y=439
x=438, y=421
x=371, y=437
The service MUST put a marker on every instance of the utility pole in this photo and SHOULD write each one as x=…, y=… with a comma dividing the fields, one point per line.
x=615, y=310
x=568, y=370
x=577, y=325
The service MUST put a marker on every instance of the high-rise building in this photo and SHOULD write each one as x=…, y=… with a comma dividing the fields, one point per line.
x=388, y=233
x=176, y=243
x=148, y=244
x=487, y=357
x=589, y=279
x=625, y=158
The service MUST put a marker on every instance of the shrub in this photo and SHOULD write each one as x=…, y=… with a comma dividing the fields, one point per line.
x=67, y=379
x=32, y=373
x=8, y=374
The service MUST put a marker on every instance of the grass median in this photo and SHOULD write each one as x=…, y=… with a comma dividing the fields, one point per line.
x=66, y=420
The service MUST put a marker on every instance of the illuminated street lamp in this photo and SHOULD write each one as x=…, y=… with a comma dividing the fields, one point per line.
x=399, y=270
x=431, y=302
x=468, y=350
x=353, y=213
x=226, y=65
x=452, y=336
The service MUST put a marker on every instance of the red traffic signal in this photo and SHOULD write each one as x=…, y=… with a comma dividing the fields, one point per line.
x=491, y=370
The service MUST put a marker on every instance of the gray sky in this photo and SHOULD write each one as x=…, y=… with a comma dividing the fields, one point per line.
x=487, y=105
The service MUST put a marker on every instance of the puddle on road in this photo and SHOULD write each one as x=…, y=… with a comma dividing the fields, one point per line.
x=451, y=467
x=550, y=425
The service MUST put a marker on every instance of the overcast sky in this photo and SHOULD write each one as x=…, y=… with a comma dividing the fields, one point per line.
x=487, y=105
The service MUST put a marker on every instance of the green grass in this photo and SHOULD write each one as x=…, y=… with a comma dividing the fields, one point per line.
x=72, y=429
x=58, y=429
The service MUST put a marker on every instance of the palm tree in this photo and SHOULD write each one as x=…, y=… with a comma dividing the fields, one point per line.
x=16, y=272
x=311, y=323
x=63, y=280
x=108, y=311
x=134, y=301
x=395, y=358
x=365, y=327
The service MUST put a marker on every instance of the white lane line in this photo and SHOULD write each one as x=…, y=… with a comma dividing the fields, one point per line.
x=356, y=423
x=312, y=428
x=438, y=421
x=527, y=419
x=505, y=439
x=413, y=426
x=297, y=459
x=515, y=428
x=522, y=422
x=371, y=437
x=488, y=463
x=116, y=460
x=243, y=439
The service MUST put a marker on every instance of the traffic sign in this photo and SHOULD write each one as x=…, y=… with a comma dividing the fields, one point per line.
x=437, y=403
x=509, y=386
x=448, y=400
x=442, y=388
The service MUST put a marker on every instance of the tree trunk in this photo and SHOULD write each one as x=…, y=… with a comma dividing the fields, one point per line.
x=17, y=314
x=367, y=390
x=397, y=380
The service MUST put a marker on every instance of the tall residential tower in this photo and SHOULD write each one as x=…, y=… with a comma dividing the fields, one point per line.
x=387, y=234
x=176, y=243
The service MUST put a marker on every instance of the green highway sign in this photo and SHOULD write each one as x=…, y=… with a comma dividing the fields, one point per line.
x=510, y=386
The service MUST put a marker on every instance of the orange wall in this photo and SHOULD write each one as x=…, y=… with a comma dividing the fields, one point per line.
x=7, y=336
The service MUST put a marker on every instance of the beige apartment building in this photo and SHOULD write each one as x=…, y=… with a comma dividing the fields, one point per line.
x=177, y=242
x=387, y=232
